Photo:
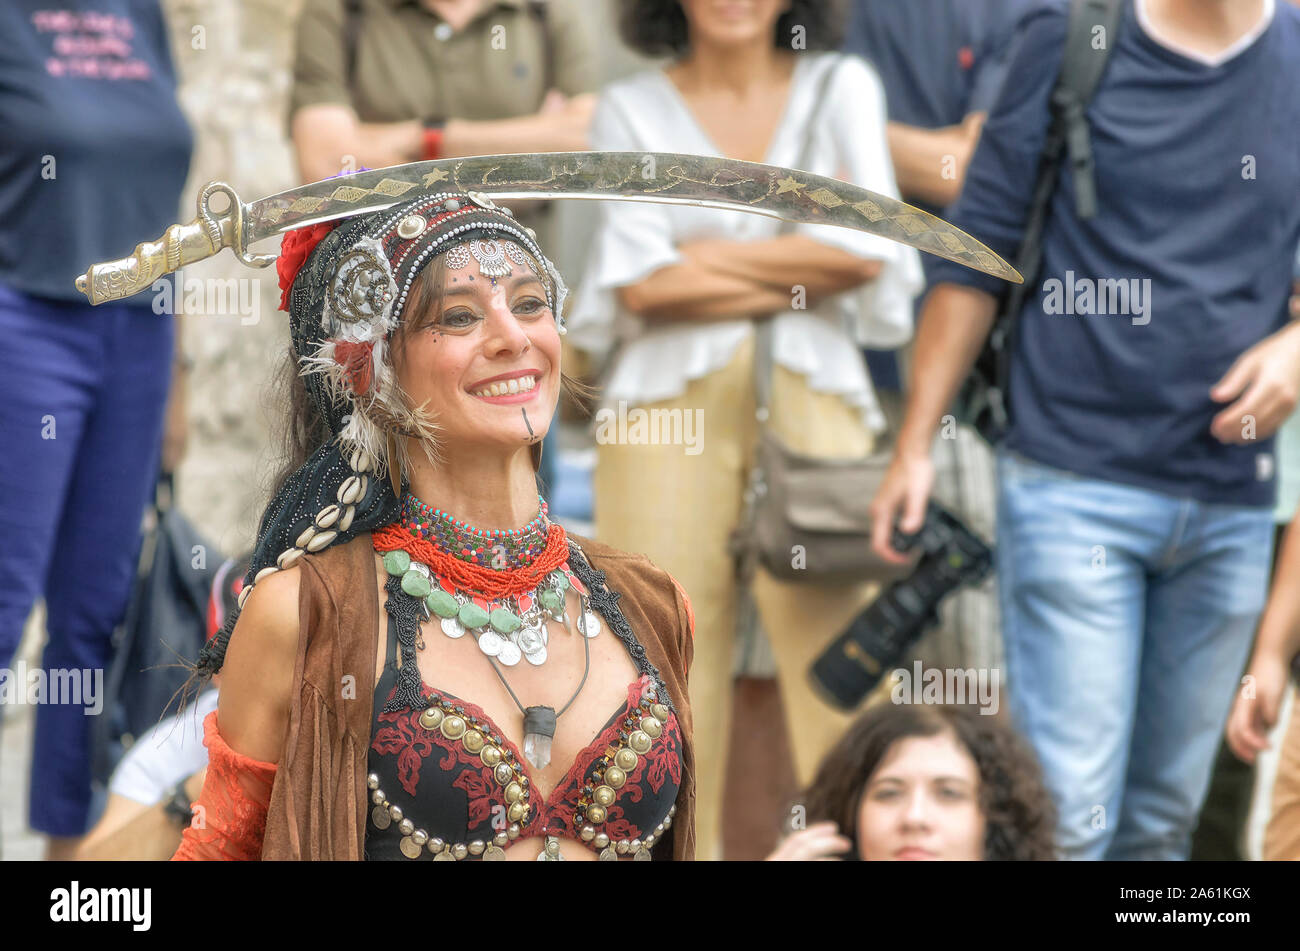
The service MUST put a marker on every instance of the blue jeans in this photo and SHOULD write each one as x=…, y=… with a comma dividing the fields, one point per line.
x=1127, y=617
x=83, y=392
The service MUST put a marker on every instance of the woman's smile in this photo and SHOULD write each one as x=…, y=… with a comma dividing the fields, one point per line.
x=519, y=386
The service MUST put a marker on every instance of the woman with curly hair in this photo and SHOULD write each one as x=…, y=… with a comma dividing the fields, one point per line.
x=926, y=783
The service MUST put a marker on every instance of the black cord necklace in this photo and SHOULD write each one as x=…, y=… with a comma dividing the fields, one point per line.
x=539, y=730
x=539, y=722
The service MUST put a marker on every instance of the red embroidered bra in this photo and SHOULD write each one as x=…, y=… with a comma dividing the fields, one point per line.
x=447, y=784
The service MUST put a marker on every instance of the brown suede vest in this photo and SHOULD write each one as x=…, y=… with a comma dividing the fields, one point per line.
x=319, y=802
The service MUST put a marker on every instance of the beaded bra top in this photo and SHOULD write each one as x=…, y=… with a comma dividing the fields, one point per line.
x=447, y=784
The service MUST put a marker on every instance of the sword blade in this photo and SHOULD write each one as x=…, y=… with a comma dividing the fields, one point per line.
x=665, y=177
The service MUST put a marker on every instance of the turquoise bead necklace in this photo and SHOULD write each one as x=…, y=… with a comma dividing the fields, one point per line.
x=502, y=549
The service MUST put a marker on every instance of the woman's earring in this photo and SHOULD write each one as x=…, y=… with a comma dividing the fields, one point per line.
x=394, y=464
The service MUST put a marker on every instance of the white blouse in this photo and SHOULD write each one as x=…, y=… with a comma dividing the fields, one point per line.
x=654, y=361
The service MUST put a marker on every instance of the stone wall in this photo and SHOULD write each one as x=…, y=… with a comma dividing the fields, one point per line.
x=233, y=62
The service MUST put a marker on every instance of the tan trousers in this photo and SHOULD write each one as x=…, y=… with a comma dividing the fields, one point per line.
x=679, y=510
x=1282, y=835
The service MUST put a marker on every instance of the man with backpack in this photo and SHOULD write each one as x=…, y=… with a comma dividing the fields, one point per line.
x=1147, y=369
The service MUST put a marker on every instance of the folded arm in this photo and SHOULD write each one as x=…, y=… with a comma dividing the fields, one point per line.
x=931, y=163
x=327, y=134
x=719, y=278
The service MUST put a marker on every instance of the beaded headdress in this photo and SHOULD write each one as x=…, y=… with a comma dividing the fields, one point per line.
x=346, y=286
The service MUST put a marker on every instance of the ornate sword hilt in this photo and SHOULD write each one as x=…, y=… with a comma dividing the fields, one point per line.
x=184, y=244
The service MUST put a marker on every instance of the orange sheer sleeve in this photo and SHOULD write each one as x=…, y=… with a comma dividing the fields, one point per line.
x=230, y=816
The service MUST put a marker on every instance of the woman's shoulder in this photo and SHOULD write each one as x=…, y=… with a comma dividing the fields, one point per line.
x=635, y=576
x=340, y=566
x=635, y=99
x=607, y=558
x=854, y=74
x=334, y=575
x=638, y=86
x=273, y=602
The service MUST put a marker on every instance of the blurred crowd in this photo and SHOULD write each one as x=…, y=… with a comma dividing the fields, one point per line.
x=1141, y=627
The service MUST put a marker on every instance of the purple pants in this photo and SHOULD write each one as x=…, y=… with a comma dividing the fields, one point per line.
x=82, y=397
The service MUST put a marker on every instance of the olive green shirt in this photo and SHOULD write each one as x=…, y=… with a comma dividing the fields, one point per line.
x=409, y=64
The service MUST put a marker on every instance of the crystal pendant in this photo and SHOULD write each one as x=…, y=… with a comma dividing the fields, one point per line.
x=539, y=730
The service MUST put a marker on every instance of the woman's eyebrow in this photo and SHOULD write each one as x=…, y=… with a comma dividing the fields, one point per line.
x=511, y=283
x=942, y=778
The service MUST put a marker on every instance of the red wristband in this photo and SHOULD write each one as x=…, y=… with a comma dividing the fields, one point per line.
x=431, y=144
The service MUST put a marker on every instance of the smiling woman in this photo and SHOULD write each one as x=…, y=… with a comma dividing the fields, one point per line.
x=426, y=352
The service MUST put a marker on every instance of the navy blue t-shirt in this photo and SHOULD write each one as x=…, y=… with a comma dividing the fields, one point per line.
x=939, y=60
x=95, y=149
x=1197, y=172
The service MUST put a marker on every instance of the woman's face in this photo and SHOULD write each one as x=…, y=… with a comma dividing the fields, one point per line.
x=922, y=802
x=486, y=364
x=727, y=22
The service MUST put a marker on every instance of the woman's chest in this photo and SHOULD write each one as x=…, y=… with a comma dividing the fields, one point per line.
x=584, y=680
x=444, y=780
x=738, y=129
x=451, y=772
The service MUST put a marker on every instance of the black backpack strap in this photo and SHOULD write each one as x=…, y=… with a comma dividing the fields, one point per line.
x=1090, y=35
x=1093, y=26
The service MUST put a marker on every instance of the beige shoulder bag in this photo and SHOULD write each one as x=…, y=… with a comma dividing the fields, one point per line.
x=805, y=518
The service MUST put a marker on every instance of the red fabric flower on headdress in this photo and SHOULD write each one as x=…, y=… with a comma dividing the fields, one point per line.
x=295, y=248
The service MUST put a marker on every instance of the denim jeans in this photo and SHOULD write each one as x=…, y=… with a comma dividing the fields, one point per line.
x=83, y=393
x=1127, y=617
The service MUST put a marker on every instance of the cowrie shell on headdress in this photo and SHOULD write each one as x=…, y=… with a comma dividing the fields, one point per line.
x=412, y=226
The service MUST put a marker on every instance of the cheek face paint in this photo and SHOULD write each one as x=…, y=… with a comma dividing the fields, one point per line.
x=531, y=435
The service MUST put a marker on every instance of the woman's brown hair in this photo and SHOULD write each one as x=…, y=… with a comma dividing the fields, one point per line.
x=1018, y=812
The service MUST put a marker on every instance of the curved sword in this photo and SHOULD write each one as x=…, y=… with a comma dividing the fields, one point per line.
x=668, y=177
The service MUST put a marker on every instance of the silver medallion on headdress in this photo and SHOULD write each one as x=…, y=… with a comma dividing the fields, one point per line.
x=457, y=258
x=523, y=259
x=491, y=257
